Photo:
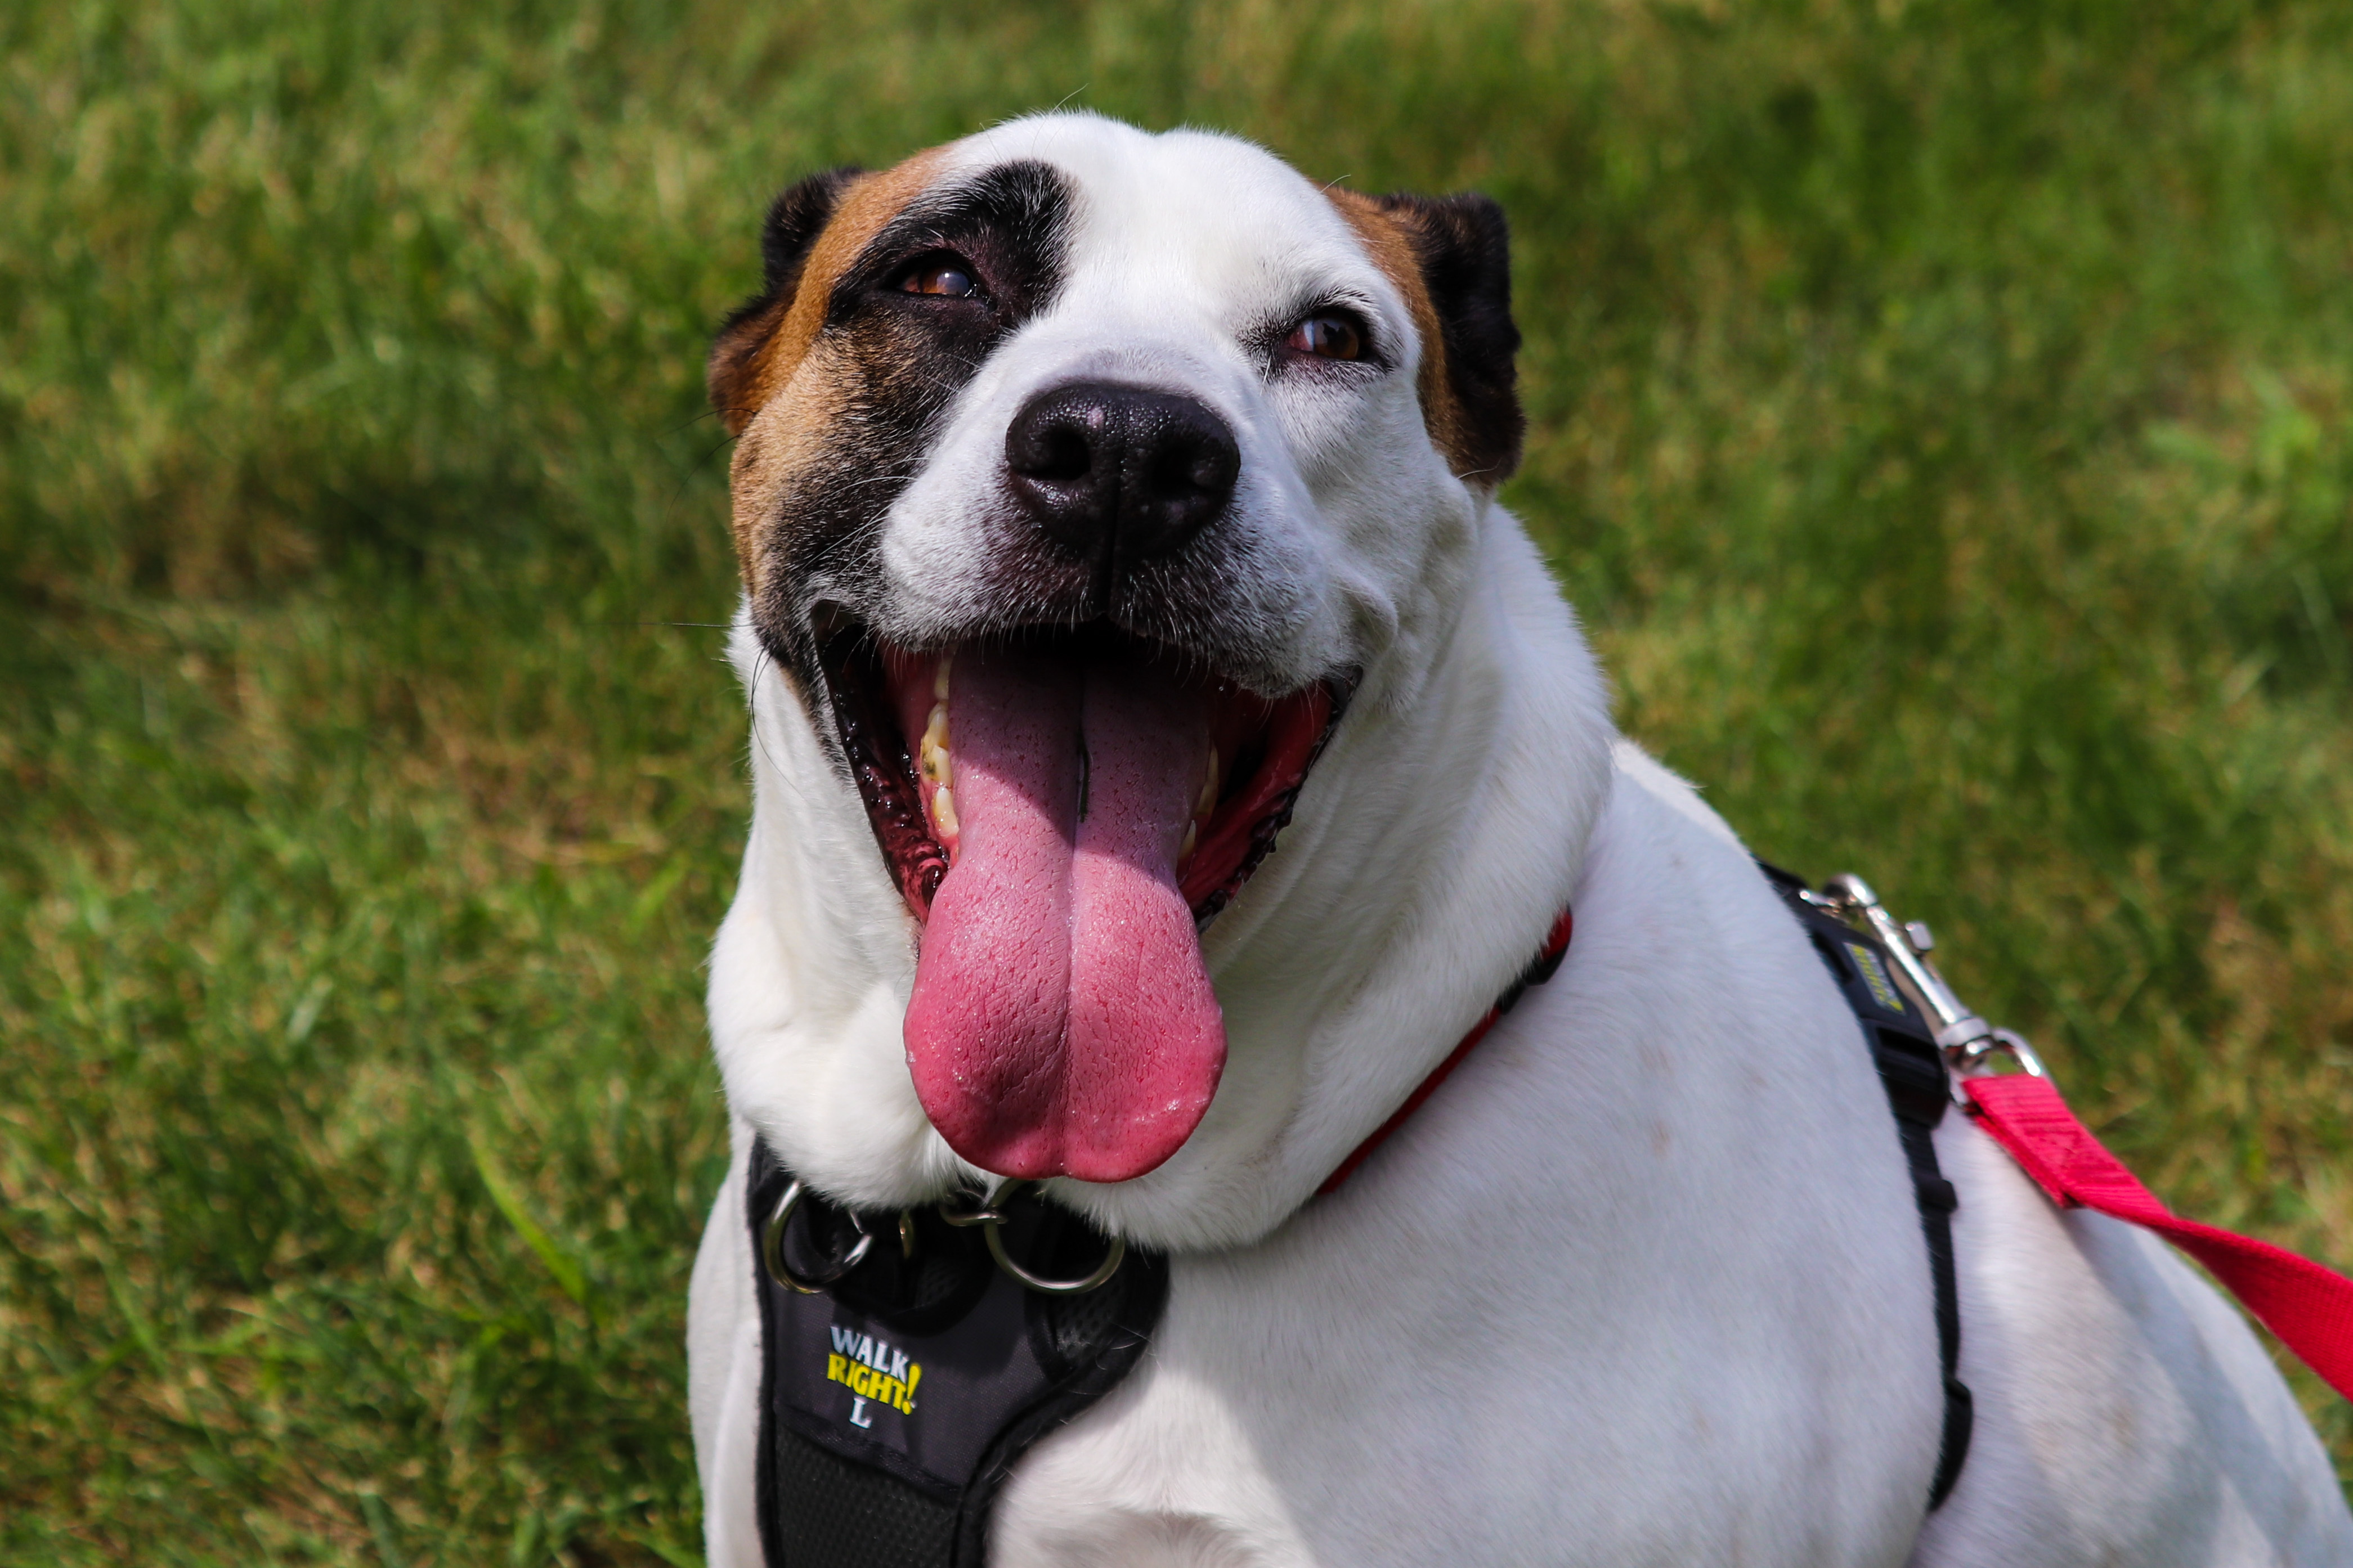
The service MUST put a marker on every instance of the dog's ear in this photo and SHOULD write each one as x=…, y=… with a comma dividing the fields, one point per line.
x=795, y=220
x=1463, y=248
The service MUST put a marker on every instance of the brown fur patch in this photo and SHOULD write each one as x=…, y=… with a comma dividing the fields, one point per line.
x=1447, y=257
x=797, y=433
x=1384, y=238
x=787, y=328
x=778, y=367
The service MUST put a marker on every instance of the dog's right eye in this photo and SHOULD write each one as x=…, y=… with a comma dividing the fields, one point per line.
x=946, y=276
x=1327, y=336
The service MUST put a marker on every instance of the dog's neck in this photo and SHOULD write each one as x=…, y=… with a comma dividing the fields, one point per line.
x=1433, y=845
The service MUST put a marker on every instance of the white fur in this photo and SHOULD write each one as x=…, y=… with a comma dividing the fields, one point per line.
x=1644, y=1283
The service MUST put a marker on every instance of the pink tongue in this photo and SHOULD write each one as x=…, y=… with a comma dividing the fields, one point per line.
x=1062, y=1023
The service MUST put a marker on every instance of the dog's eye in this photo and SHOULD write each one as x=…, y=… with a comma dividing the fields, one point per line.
x=950, y=277
x=1326, y=337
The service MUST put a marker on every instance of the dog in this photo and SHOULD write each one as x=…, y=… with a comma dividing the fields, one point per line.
x=1107, y=502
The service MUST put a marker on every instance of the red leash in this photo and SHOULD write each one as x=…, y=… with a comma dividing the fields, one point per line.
x=2309, y=1308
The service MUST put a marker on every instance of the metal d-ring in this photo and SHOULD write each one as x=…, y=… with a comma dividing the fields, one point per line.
x=772, y=1244
x=1969, y=1060
x=990, y=1218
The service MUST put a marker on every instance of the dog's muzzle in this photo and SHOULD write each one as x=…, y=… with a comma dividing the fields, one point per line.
x=1119, y=475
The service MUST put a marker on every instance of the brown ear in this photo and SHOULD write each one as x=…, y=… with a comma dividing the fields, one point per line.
x=1464, y=250
x=795, y=220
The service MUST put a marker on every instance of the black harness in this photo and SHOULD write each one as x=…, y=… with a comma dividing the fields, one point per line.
x=895, y=1397
x=904, y=1370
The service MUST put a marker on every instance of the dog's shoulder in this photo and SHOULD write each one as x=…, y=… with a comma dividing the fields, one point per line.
x=1638, y=768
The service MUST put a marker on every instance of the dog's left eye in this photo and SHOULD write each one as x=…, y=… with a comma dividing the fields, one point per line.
x=1326, y=337
x=949, y=276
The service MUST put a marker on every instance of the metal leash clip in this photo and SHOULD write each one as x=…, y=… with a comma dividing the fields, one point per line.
x=1969, y=1042
x=991, y=1216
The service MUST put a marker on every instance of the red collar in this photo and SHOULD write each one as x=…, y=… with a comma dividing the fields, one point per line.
x=1535, y=973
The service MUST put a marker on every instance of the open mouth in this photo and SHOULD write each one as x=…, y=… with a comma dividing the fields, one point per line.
x=1062, y=810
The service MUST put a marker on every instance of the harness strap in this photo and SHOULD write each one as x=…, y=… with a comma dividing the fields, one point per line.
x=2309, y=1308
x=1936, y=1202
x=1919, y=1087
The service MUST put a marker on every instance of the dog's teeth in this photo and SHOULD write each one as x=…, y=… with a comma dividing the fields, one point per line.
x=933, y=754
x=1192, y=837
x=1208, y=801
x=934, y=758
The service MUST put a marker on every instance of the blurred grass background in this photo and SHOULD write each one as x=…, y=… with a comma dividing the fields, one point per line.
x=1940, y=415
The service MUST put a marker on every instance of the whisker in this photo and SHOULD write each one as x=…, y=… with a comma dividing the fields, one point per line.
x=760, y=667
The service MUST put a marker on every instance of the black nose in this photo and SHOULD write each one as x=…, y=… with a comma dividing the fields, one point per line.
x=1120, y=474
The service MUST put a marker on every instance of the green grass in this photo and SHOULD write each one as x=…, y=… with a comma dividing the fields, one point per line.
x=1940, y=415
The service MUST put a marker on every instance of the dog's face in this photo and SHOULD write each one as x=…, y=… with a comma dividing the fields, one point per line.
x=1084, y=477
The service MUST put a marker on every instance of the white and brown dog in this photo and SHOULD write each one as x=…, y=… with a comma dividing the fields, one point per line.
x=1097, y=493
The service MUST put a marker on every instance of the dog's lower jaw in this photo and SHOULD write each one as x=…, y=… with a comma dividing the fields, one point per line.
x=1462, y=790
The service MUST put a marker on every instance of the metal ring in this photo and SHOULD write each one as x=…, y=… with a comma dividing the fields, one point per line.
x=1104, y=1270
x=990, y=1215
x=981, y=1216
x=772, y=1244
x=2019, y=1052
x=1972, y=1060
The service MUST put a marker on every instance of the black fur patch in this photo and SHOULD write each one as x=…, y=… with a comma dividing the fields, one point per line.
x=1011, y=221
x=795, y=219
x=900, y=359
x=1465, y=249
